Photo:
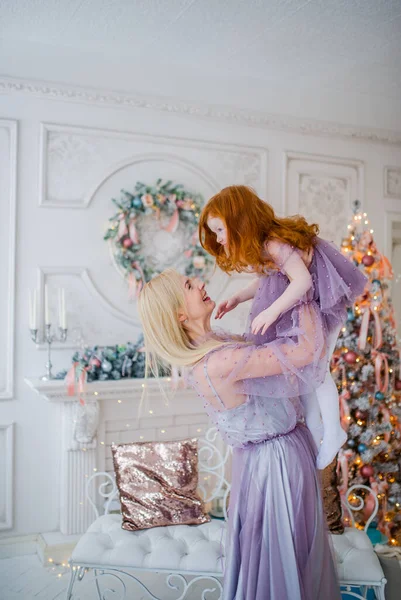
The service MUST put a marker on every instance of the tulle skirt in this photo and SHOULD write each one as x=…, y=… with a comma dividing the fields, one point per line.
x=278, y=545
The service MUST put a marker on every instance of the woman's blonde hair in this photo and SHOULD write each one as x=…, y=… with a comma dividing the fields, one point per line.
x=166, y=340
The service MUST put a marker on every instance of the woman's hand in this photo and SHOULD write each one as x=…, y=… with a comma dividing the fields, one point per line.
x=227, y=305
x=264, y=320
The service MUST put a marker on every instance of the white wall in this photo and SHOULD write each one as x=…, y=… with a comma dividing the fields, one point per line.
x=72, y=157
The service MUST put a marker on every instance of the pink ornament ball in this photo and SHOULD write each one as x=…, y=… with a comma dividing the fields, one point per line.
x=368, y=260
x=360, y=414
x=367, y=471
x=127, y=243
x=95, y=362
x=350, y=357
x=397, y=385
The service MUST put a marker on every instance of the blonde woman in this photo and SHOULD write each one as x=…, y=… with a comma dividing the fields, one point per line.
x=277, y=547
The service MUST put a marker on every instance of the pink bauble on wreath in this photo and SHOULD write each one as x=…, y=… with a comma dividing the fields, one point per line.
x=127, y=243
x=95, y=362
x=350, y=357
x=397, y=385
x=368, y=260
x=367, y=471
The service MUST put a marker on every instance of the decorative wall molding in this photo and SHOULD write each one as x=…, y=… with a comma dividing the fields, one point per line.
x=228, y=114
x=322, y=188
x=392, y=182
x=96, y=297
x=81, y=160
x=8, y=185
x=392, y=220
x=6, y=476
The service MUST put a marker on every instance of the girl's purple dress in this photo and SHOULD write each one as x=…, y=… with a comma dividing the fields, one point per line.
x=278, y=545
x=336, y=283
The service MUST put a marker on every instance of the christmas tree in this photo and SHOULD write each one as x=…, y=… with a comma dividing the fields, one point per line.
x=366, y=368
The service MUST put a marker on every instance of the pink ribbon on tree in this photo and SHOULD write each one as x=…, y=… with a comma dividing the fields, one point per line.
x=385, y=268
x=381, y=363
x=363, y=333
x=343, y=469
x=386, y=419
x=344, y=408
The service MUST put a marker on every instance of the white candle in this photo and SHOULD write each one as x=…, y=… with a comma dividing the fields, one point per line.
x=47, y=314
x=35, y=310
x=60, y=309
x=63, y=312
x=30, y=310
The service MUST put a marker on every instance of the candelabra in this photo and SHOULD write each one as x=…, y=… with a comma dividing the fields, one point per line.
x=49, y=338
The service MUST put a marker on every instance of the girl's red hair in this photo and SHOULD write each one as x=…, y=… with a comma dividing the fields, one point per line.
x=250, y=223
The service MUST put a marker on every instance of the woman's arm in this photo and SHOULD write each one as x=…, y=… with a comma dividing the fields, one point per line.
x=280, y=357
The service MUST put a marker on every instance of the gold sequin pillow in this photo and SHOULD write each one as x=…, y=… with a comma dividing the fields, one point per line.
x=331, y=498
x=157, y=482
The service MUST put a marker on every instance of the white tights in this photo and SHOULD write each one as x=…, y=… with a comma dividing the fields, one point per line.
x=322, y=416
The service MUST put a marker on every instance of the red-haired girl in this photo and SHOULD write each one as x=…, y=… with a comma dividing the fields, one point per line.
x=295, y=267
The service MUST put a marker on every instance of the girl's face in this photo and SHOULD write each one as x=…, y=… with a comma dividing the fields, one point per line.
x=219, y=228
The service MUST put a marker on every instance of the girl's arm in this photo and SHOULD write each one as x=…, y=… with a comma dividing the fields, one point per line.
x=291, y=263
x=242, y=296
x=249, y=291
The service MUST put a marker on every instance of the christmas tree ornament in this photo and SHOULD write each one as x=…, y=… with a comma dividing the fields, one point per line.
x=379, y=396
x=361, y=414
x=367, y=471
x=368, y=260
x=350, y=357
x=362, y=448
x=107, y=367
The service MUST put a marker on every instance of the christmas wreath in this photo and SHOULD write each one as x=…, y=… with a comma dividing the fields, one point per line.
x=156, y=227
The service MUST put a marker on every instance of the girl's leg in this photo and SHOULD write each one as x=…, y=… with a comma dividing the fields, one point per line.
x=333, y=434
x=312, y=417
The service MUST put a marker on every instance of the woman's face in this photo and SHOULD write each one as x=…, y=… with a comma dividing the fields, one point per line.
x=218, y=227
x=198, y=304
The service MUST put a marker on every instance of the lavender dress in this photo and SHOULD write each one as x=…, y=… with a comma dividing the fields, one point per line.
x=336, y=283
x=277, y=546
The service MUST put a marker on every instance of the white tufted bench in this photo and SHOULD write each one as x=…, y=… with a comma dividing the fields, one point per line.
x=193, y=553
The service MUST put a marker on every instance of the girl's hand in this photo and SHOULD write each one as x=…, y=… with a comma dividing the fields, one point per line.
x=264, y=320
x=227, y=305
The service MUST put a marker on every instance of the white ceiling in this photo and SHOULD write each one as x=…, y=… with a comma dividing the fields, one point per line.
x=347, y=46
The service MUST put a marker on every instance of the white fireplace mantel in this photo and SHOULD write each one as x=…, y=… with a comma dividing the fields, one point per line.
x=55, y=390
x=79, y=460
